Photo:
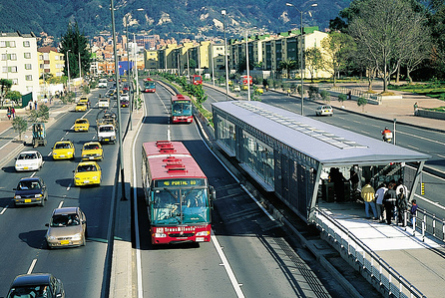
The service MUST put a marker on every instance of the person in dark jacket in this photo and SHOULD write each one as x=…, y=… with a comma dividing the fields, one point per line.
x=402, y=206
x=390, y=202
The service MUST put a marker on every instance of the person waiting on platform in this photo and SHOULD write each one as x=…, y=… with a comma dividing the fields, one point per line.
x=368, y=197
x=390, y=202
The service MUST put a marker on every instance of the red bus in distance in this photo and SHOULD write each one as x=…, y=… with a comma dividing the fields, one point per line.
x=177, y=193
x=197, y=80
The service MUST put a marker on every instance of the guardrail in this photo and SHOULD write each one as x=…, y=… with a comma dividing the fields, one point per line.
x=372, y=98
x=428, y=223
x=379, y=273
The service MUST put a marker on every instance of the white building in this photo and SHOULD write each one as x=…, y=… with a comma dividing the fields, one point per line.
x=19, y=62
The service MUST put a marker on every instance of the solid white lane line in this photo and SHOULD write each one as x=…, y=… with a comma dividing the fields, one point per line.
x=226, y=265
x=136, y=220
x=31, y=268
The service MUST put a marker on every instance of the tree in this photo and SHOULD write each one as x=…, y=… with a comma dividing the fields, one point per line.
x=20, y=125
x=361, y=102
x=15, y=96
x=77, y=44
x=41, y=115
x=313, y=61
x=288, y=65
x=384, y=29
x=5, y=87
x=337, y=49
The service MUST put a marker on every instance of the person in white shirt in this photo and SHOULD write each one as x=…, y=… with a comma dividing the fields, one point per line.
x=379, y=194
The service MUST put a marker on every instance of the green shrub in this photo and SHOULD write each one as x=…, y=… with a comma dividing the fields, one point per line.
x=313, y=92
x=325, y=95
x=342, y=97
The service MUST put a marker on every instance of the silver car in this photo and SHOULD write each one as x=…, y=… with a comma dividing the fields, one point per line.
x=68, y=227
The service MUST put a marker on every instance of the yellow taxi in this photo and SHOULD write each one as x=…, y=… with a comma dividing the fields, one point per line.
x=84, y=100
x=81, y=124
x=81, y=107
x=92, y=151
x=63, y=150
x=124, y=79
x=259, y=91
x=245, y=87
x=87, y=173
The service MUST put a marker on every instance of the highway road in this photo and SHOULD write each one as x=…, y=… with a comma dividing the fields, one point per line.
x=415, y=138
x=22, y=230
x=263, y=263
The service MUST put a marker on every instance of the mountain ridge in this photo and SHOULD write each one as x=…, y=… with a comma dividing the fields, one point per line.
x=175, y=18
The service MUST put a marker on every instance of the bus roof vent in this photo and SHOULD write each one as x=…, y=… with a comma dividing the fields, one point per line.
x=175, y=165
x=171, y=159
x=177, y=169
x=180, y=96
x=163, y=144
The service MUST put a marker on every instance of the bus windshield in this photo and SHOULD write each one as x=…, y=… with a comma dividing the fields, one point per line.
x=180, y=206
x=182, y=107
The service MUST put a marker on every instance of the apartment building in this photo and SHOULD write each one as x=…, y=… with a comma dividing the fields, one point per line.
x=19, y=62
x=51, y=62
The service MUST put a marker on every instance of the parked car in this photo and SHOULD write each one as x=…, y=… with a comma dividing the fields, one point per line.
x=30, y=191
x=67, y=228
x=237, y=89
x=36, y=285
x=324, y=110
x=29, y=161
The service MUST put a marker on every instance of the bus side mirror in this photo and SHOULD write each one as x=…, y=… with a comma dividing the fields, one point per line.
x=212, y=195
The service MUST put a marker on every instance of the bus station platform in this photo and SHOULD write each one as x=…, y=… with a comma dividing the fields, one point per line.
x=416, y=259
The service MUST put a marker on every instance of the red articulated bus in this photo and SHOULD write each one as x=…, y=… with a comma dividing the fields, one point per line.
x=247, y=80
x=181, y=107
x=197, y=80
x=177, y=192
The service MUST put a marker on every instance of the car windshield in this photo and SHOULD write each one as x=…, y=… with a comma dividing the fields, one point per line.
x=63, y=220
x=62, y=146
x=91, y=147
x=86, y=168
x=80, y=104
x=185, y=206
x=81, y=121
x=23, y=156
x=24, y=185
x=105, y=128
x=38, y=291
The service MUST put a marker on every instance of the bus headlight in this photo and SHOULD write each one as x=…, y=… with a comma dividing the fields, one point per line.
x=203, y=233
x=160, y=235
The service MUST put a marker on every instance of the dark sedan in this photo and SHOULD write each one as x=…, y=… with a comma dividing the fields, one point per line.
x=31, y=191
x=36, y=285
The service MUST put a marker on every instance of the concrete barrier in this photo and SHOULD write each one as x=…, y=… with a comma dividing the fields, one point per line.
x=431, y=114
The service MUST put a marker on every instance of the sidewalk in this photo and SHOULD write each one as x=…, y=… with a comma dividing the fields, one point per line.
x=390, y=109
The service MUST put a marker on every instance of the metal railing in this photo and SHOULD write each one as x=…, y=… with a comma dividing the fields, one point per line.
x=428, y=223
x=355, y=93
x=379, y=273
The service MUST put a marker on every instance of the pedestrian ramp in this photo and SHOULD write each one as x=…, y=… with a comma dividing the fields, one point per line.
x=396, y=259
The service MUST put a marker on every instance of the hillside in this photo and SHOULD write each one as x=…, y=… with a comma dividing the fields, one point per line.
x=174, y=18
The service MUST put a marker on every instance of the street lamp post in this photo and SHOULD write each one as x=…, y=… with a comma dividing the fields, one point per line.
x=68, y=61
x=80, y=68
x=136, y=69
x=224, y=12
x=128, y=72
x=301, y=51
x=248, y=69
x=116, y=70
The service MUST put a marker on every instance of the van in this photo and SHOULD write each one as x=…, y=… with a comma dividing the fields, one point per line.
x=104, y=102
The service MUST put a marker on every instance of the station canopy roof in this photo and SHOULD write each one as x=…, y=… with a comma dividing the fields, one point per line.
x=330, y=145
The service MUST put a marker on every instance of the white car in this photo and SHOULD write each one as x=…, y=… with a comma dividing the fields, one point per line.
x=29, y=161
x=104, y=102
x=324, y=110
